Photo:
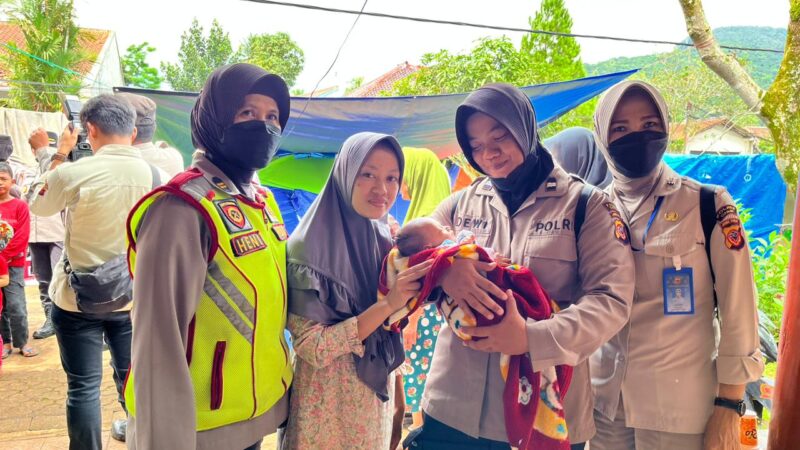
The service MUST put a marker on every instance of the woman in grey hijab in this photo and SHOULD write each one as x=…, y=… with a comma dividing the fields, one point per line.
x=345, y=359
x=575, y=150
x=665, y=381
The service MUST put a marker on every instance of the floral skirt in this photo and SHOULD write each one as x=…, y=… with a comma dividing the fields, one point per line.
x=418, y=358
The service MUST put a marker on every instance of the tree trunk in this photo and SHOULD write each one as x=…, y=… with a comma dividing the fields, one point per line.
x=781, y=109
x=778, y=107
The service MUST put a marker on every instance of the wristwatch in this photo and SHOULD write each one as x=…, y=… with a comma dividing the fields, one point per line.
x=58, y=157
x=736, y=405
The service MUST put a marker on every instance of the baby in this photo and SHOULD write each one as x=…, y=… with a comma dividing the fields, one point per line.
x=532, y=400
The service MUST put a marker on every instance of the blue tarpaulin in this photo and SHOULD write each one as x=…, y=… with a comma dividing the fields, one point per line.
x=321, y=125
x=752, y=180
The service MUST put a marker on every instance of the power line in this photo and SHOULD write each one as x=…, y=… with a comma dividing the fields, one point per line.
x=500, y=28
x=335, y=58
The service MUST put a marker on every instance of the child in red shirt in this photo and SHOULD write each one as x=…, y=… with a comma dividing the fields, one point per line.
x=6, y=233
x=14, y=318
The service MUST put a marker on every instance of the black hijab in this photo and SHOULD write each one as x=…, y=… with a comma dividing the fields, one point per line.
x=576, y=151
x=513, y=109
x=215, y=110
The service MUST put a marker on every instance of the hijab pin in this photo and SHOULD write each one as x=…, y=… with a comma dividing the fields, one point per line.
x=671, y=216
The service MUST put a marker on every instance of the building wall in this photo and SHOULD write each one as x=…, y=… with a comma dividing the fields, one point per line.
x=719, y=140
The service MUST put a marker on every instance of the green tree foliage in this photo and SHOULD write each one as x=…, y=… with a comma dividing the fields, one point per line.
x=354, y=84
x=276, y=53
x=136, y=70
x=50, y=33
x=198, y=56
x=539, y=59
x=762, y=66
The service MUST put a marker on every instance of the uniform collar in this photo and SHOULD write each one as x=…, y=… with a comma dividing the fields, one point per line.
x=216, y=177
x=555, y=185
x=669, y=183
x=118, y=150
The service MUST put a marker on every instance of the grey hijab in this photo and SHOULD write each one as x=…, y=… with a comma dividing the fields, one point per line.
x=576, y=151
x=337, y=253
x=632, y=191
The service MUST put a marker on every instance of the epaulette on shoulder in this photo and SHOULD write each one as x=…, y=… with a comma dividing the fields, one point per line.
x=477, y=181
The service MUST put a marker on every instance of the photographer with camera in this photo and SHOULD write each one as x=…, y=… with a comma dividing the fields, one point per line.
x=47, y=233
x=91, y=286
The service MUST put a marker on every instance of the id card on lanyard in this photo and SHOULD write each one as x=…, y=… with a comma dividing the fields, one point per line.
x=678, y=282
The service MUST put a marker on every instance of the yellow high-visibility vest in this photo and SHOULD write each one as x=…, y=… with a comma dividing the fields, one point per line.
x=237, y=355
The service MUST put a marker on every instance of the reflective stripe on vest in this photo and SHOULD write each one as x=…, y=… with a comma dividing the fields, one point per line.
x=238, y=358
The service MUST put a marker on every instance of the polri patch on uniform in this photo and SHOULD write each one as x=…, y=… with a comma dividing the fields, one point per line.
x=232, y=215
x=620, y=228
x=733, y=232
x=280, y=232
x=731, y=227
x=247, y=243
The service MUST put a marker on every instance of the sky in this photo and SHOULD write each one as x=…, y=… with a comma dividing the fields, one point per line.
x=376, y=45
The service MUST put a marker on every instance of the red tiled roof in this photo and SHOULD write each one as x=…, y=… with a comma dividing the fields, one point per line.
x=385, y=81
x=760, y=132
x=90, y=40
x=677, y=130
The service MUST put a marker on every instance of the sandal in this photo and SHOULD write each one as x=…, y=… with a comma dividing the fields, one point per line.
x=6, y=352
x=29, y=352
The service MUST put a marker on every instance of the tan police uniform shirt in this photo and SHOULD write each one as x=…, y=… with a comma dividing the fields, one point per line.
x=667, y=367
x=591, y=278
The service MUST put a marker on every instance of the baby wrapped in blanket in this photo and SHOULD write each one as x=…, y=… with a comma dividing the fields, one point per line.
x=532, y=401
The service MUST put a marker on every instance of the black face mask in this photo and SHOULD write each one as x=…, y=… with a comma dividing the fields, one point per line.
x=637, y=154
x=250, y=145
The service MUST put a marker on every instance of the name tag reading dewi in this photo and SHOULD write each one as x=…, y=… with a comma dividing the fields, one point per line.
x=248, y=243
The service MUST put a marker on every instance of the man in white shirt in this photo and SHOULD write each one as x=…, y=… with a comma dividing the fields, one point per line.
x=97, y=193
x=159, y=154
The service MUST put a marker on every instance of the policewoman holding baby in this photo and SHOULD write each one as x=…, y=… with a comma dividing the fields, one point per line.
x=526, y=209
x=675, y=375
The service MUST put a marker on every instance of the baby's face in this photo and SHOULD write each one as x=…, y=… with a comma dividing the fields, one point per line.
x=434, y=234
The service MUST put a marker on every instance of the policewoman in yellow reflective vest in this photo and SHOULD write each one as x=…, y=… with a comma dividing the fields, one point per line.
x=210, y=366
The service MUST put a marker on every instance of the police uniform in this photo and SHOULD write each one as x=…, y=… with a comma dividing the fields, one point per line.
x=665, y=364
x=210, y=366
x=590, y=276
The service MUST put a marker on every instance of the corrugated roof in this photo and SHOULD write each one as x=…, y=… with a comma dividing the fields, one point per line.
x=89, y=39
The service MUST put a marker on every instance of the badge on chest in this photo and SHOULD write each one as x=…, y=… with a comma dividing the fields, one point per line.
x=678, y=291
x=232, y=215
x=247, y=243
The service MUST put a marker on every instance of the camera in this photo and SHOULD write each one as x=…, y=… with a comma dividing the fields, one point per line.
x=72, y=108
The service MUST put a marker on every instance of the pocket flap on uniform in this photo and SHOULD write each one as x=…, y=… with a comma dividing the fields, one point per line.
x=670, y=245
x=551, y=247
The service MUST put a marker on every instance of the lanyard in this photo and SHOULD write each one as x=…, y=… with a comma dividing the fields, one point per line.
x=659, y=201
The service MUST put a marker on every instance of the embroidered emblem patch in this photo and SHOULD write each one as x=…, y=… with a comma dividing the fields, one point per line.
x=620, y=228
x=232, y=215
x=280, y=231
x=247, y=243
x=731, y=227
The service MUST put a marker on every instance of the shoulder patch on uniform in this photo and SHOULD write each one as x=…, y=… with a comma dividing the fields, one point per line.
x=731, y=227
x=232, y=215
x=620, y=228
